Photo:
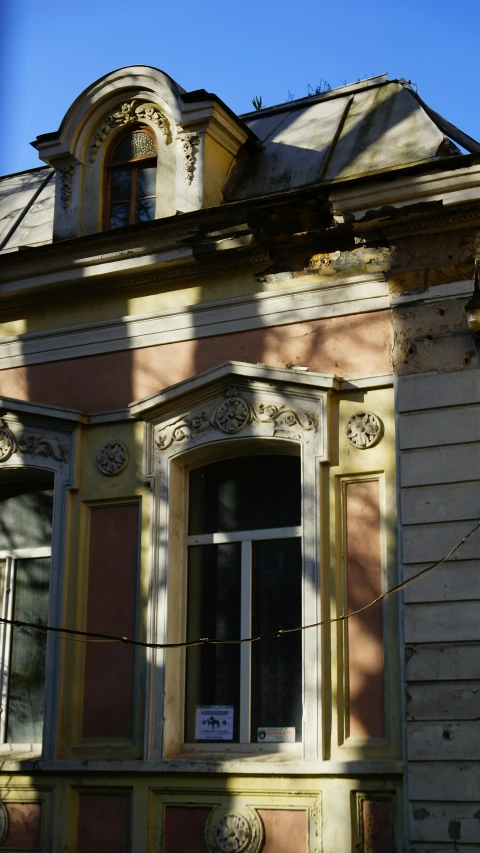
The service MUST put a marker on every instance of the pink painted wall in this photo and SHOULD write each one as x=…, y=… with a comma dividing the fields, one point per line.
x=103, y=823
x=355, y=345
x=24, y=826
x=111, y=609
x=184, y=830
x=365, y=631
x=377, y=826
x=285, y=830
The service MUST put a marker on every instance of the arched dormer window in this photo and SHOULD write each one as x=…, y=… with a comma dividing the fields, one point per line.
x=131, y=170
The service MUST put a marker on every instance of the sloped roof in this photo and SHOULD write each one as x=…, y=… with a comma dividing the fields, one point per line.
x=372, y=126
x=26, y=208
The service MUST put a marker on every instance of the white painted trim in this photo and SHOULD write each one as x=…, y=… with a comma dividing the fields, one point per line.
x=242, y=536
x=452, y=290
x=311, y=301
x=450, y=187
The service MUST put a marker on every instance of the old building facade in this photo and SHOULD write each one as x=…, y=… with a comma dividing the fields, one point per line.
x=239, y=396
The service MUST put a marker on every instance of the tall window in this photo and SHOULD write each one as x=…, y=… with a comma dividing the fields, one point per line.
x=131, y=180
x=244, y=579
x=25, y=549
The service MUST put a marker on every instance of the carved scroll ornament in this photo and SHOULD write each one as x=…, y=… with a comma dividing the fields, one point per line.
x=233, y=831
x=231, y=416
x=131, y=111
x=66, y=177
x=190, y=144
x=26, y=444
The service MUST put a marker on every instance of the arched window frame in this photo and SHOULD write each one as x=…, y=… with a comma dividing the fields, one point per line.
x=132, y=165
x=285, y=417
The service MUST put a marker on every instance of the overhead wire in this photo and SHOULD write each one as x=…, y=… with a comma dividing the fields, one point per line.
x=76, y=635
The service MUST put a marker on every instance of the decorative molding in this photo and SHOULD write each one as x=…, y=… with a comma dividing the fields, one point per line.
x=26, y=444
x=316, y=825
x=231, y=416
x=430, y=223
x=66, y=178
x=82, y=287
x=230, y=830
x=363, y=430
x=126, y=114
x=112, y=458
x=191, y=142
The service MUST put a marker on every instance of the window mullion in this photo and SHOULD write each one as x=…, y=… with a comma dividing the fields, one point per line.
x=133, y=195
x=245, y=648
x=7, y=638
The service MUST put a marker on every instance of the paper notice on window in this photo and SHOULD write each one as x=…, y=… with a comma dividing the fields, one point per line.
x=278, y=734
x=214, y=722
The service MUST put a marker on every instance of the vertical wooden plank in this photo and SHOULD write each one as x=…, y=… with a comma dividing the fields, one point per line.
x=103, y=823
x=364, y=631
x=111, y=609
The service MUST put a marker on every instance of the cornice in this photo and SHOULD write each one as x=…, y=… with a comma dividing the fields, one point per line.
x=470, y=214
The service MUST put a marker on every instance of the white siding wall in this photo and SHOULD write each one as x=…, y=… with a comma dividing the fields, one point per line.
x=439, y=437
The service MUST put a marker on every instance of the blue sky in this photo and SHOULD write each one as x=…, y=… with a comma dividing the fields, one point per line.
x=52, y=50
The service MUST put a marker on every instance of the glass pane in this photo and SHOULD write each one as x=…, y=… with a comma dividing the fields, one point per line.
x=213, y=610
x=121, y=185
x=25, y=705
x=119, y=214
x=147, y=177
x=246, y=493
x=137, y=144
x=25, y=515
x=277, y=663
x=145, y=210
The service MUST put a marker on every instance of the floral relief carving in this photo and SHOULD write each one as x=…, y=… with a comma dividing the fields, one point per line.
x=131, y=111
x=36, y=445
x=112, y=458
x=66, y=177
x=363, y=430
x=231, y=416
x=228, y=831
x=190, y=145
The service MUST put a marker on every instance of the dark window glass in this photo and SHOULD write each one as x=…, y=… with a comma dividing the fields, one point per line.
x=132, y=173
x=246, y=493
x=213, y=672
x=26, y=688
x=25, y=515
x=277, y=662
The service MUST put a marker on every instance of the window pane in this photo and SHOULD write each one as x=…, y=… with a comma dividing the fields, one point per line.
x=246, y=493
x=147, y=177
x=121, y=185
x=119, y=214
x=145, y=210
x=213, y=610
x=134, y=145
x=25, y=705
x=25, y=515
x=277, y=663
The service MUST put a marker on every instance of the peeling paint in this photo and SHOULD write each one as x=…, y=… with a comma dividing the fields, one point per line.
x=455, y=830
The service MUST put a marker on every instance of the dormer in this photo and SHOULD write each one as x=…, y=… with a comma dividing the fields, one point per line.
x=135, y=146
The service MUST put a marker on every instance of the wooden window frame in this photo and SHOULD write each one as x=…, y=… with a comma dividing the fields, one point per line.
x=133, y=165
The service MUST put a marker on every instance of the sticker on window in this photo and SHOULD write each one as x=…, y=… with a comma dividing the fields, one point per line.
x=278, y=734
x=214, y=722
